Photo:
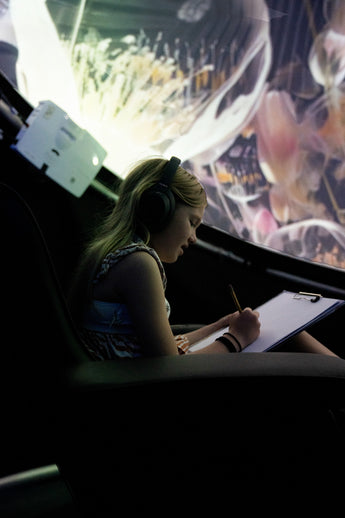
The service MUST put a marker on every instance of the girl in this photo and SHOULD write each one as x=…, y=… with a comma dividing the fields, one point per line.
x=121, y=280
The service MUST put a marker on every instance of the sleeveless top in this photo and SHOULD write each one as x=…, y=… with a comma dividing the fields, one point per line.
x=108, y=331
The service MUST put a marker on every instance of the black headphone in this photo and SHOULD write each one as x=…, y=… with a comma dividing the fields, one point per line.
x=157, y=204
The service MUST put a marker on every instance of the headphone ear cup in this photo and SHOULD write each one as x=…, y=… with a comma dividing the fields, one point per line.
x=157, y=204
x=156, y=208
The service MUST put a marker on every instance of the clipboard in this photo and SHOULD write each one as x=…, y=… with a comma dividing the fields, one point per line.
x=282, y=317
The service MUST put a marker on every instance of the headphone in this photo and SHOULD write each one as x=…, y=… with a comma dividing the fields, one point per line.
x=157, y=204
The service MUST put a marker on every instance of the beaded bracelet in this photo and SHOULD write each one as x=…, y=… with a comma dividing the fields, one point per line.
x=234, y=338
x=228, y=344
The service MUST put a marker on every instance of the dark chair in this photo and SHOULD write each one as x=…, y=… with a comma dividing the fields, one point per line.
x=39, y=338
x=192, y=432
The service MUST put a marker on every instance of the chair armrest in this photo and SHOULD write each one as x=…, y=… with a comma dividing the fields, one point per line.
x=200, y=421
x=320, y=375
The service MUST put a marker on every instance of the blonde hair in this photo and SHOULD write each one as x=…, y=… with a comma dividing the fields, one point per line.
x=119, y=228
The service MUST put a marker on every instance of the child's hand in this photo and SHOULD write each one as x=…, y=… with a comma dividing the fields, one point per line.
x=245, y=326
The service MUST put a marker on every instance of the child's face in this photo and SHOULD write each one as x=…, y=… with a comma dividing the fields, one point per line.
x=179, y=234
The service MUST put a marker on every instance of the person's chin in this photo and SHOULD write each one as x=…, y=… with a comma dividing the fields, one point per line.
x=168, y=259
x=174, y=257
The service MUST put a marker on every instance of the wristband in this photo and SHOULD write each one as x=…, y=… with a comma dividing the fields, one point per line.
x=234, y=338
x=228, y=344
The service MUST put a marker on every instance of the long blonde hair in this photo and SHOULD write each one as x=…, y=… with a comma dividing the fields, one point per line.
x=119, y=228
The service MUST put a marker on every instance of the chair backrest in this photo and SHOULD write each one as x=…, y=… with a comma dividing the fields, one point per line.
x=38, y=339
x=35, y=311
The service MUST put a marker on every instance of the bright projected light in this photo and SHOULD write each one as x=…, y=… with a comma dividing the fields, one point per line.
x=248, y=93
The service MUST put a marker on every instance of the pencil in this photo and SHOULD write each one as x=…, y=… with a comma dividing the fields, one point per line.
x=234, y=298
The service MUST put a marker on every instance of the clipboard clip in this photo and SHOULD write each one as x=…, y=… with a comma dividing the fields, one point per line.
x=312, y=297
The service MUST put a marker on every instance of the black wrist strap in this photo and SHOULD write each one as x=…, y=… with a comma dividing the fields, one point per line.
x=235, y=339
x=228, y=344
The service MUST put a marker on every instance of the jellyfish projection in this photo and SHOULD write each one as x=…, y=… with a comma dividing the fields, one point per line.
x=250, y=94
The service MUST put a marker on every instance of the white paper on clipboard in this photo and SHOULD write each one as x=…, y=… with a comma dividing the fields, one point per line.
x=281, y=318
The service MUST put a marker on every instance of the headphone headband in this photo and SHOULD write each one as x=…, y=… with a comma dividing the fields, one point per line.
x=169, y=171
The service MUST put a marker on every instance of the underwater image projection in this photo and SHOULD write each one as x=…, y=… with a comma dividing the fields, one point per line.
x=250, y=94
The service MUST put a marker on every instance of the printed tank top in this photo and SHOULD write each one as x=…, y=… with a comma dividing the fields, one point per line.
x=108, y=330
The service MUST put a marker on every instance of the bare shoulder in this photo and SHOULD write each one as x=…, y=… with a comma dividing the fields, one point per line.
x=138, y=263
x=138, y=269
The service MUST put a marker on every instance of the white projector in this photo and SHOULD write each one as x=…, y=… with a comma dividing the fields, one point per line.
x=60, y=148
